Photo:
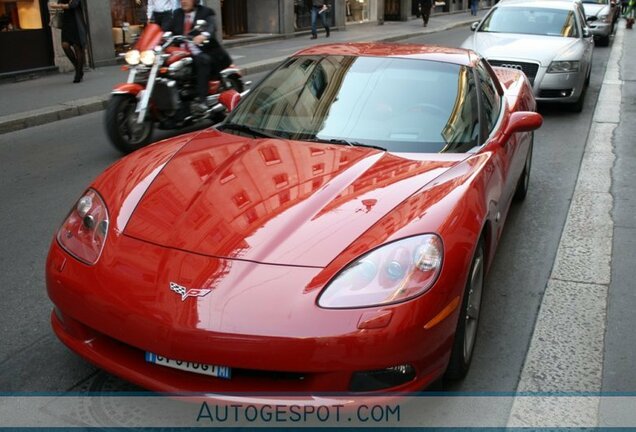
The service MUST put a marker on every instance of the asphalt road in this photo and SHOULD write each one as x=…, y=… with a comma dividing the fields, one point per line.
x=45, y=169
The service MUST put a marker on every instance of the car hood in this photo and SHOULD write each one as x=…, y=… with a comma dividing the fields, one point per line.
x=504, y=46
x=275, y=201
x=594, y=9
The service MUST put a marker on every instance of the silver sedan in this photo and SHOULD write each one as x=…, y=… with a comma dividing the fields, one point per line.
x=601, y=16
x=548, y=40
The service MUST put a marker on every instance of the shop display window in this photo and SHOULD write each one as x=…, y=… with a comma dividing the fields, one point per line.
x=20, y=15
x=129, y=18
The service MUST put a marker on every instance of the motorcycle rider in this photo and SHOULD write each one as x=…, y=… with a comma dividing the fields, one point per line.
x=209, y=57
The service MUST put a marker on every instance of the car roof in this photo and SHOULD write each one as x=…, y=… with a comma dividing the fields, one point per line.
x=547, y=4
x=458, y=56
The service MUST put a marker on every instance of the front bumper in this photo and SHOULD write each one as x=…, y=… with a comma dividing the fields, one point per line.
x=111, y=322
x=558, y=87
x=600, y=29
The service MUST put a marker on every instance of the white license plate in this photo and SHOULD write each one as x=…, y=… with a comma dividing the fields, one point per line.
x=200, y=368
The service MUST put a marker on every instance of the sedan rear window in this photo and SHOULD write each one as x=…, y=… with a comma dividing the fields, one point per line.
x=399, y=104
x=537, y=21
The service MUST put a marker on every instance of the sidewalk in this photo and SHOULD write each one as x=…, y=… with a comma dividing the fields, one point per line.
x=54, y=97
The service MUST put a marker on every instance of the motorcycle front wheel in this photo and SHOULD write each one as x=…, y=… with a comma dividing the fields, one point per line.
x=121, y=124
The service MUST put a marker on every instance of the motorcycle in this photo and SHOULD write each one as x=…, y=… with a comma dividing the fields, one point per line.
x=161, y=90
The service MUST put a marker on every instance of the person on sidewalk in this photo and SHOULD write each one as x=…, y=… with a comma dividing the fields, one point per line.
x=319, y=8
x=425, y=7
x=209, y=57
x=629, y=14
x=474, y=5
x=160, y=12
x=73, y=34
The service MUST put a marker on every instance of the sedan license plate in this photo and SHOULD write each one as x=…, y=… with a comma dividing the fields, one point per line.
x=200, y=368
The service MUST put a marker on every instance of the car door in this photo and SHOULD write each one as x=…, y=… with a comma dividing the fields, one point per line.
x=586, y=38
x=510, y=157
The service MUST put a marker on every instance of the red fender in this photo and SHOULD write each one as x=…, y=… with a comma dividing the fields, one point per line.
x=128, y=88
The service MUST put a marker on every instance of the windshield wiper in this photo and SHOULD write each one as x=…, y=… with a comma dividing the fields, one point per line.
x=344, y=142
x=247, y=129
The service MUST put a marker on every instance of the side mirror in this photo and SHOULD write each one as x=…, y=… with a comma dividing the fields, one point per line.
x=587, y=33
x=474, y=26
x=229, y=99
x=522, y=121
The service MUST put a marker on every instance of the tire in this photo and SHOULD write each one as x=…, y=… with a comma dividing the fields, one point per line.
x=524, y=180
x=603, y=41
x=466, y=333
x=125, y=134
x=578, y=105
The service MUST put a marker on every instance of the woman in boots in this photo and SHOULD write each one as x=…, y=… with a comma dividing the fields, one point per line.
x=73, y=34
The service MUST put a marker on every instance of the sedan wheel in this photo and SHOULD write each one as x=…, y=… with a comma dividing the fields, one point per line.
x=466, y=332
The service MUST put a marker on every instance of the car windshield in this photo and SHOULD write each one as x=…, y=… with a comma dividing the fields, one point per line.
x=397, y=104
x=529, y=20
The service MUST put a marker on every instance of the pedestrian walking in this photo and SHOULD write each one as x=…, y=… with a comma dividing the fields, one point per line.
x=425, y=7
x=474, y=5
x=630, y=13
x=319, y=8
x=160, y=12
x=73, y=33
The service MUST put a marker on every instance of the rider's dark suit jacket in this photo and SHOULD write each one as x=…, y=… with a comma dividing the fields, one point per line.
x=220, y=58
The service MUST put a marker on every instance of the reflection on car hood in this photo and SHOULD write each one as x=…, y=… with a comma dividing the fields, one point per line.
x=275, y=201
x=522, y=47
x=594, y=9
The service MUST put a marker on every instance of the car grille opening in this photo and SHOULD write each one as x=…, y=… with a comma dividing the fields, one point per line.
x=559, y=93
x=530, y=69
x=374, y=380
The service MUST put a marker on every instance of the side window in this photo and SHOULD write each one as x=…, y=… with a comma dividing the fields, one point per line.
x=462, y=131
x=490, y=99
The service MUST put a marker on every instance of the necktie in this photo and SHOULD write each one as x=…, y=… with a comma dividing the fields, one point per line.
x=188, y=24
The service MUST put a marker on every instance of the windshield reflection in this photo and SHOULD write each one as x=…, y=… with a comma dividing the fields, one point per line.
x=403, y=105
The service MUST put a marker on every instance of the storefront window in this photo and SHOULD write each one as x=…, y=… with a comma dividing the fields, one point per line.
x=359, y=11
x=22, y=15
x=129, y=17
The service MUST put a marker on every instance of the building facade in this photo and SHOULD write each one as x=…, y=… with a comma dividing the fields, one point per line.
x=114, y=24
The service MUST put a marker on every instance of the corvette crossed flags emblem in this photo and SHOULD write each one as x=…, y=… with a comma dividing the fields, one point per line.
x=192, y=292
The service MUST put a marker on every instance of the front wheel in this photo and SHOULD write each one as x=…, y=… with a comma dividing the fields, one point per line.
x=121, y=124
x=524, y=180
x=466, y=332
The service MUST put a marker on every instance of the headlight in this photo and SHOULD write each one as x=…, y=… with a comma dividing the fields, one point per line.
x=148, y=57
x=604, y=18
x=84, y=231
x=563, y=66
x=392, y=273
x=132, y=57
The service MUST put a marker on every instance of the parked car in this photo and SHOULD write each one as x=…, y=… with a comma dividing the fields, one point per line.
x=601, y=16
x=548, y=40
x=332, y=234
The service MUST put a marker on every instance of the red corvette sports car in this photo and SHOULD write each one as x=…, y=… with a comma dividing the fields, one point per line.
x=331, y=235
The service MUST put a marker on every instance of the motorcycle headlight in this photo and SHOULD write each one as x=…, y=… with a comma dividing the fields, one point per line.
x=83, y=233
x=132, y=57
x=563, y=67
x=148, y=57
x=392, y=273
